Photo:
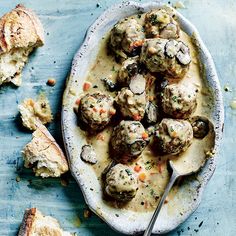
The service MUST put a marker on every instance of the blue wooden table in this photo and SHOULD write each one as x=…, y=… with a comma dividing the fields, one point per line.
x=65, y=23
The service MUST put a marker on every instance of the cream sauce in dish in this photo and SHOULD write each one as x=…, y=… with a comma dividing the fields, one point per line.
x=150, y=168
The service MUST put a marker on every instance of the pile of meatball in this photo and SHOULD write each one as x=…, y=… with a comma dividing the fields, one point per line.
x=149, y=50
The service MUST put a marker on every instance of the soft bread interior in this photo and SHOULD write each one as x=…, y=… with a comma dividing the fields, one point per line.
x=20, y=32
x=35, y=112
x=37, y=224
x=44, y=155
x=11, y=65
x=47, y=225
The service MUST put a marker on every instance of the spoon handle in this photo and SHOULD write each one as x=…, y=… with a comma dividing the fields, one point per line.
x=173, y=177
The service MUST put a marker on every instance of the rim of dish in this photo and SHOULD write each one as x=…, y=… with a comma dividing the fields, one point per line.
x=218, y=114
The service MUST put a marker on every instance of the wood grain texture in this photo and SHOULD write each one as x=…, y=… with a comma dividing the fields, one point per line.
x=65, y=23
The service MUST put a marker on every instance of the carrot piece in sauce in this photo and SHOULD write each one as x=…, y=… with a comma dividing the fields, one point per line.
x=150, y=98
x=144, y=135
x=137, y=117
x=137, y=43
x=100, y=137
x=159, y=166
x=102, y=111
x=142, y=177
x=137, y=168
x=86, y=86
x=77, y=102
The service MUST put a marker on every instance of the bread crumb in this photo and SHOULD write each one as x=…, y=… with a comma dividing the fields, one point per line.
x=77, y=222
x=44, y=155
x=233, y=104
x=87, y=213
x=64, y=182
x=18, y=179
x=35, y=112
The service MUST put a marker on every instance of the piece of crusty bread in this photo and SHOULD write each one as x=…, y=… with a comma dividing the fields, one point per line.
x=35, y=112
x=20, y=32
x=44, y=154
x=36, y=224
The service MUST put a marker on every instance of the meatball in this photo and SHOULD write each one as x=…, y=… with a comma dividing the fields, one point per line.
x=173, y=136
x=128, y=140
x=168, y=57
x=129, y=68
x=160, y=24
x=121, y=183
x=131, y=105
x=96, y=110
x=179, y=101
x=126, y=37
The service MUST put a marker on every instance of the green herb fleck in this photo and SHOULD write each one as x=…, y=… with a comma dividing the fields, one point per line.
x=152, y=192
x=174, y=98
x=113, y=69
x=128, y=172
x=148, y=167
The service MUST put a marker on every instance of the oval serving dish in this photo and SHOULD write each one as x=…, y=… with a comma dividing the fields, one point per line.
x=188, y=197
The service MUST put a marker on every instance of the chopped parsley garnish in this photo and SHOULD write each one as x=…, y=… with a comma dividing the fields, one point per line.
x=113, y=69
x=174, y=98
x=128, y=172
x=148, y=167
x=152, y=192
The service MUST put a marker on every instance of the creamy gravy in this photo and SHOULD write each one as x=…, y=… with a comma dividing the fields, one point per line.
x=154, y=167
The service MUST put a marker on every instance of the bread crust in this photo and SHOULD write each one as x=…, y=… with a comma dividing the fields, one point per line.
x=27, y=222
x=20, y=28
x=45, y=153
x=49, y=137
x=35, y=223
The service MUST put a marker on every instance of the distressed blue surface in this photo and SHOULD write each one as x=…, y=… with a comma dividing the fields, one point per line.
x=65, y=23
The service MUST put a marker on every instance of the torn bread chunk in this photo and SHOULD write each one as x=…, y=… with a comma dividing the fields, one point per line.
x=36, y=224
x=44, y=154
x=20, y=32
x=35, y=112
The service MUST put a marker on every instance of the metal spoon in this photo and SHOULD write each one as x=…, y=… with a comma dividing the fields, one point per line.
x=176, y=167
x=175, y=175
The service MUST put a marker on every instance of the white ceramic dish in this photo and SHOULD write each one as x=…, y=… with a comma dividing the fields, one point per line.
x=189, y=195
